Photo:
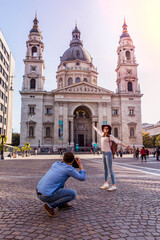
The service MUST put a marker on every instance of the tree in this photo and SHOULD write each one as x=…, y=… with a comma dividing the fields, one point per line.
x=15, y=139
x=2, y=145
x=157, y=142
x=147, y=140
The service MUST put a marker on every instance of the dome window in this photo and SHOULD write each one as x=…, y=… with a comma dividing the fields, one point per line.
x=85, y=79
x=70, y=81
x=77, y=63
x=78, y=80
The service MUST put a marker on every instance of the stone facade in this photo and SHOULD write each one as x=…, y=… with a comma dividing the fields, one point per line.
x=63, y=117
x=152, y=129
x=7, y=70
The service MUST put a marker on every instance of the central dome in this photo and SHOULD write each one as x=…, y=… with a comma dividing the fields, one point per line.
x=76, y=50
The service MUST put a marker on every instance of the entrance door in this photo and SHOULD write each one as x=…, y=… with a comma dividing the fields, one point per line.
x=81, y=140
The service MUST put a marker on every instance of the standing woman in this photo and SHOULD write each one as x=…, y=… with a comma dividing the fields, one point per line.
x=107, y=155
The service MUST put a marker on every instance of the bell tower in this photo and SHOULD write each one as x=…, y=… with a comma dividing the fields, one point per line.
x=33, y=79
x=127, y=80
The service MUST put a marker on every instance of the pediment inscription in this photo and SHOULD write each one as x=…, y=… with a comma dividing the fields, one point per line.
x=84, y=89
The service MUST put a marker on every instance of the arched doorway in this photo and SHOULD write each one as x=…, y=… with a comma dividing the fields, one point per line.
x=82, y=128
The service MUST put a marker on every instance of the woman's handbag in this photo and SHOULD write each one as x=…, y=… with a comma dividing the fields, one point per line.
x=113, y=146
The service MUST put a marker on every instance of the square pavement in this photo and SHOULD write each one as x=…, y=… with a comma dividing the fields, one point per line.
x=131, y=212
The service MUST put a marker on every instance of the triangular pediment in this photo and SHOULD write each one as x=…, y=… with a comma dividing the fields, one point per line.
x=83, y=88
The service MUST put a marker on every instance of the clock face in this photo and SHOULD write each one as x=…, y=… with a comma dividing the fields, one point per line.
x=33, y=68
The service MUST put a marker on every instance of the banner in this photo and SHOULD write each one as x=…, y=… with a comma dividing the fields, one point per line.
x=60, y=130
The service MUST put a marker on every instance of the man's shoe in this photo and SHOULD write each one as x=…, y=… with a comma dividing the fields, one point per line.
x=113, y=188
x=105, y=186
x=49, y=210
x=65, y=206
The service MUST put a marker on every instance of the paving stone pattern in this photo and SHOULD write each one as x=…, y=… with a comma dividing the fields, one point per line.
x=131, y=212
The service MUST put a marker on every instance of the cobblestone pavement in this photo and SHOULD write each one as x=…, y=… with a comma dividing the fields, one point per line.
x=131, y=212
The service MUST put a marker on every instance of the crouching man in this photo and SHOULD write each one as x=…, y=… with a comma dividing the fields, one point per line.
x=50, y=188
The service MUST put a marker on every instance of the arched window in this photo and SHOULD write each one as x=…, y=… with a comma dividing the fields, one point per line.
x=70, y=81
x=48, y=132
x=31, y=131
x=130, y=89
x=116, y=132
x=128, y=56
x=85, y=79
x=131, y=132
x=32, y=83
x=78, y=80
x=34, y=52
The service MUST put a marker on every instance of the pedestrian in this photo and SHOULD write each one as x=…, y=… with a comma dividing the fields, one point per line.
x=35, y=152
x=137, y=153
x=157, y=153
x=121, y=153
x=143, y=154
x=154, y=153
x=134, y=152
x=50, y=188
x=147, y=153
x=107, y=155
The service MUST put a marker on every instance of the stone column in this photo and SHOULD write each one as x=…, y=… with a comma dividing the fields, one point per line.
x=56, y=122
x=72, y=133
x=65, y=124
x=93, y=133
x=100, y=121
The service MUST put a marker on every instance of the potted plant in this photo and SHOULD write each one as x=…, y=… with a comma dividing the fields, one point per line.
x=15, y=151
x=23, y=149
x=27, y=147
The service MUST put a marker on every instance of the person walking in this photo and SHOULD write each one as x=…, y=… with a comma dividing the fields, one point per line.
x=137, y=153
x=143, y=154
x=107, y=155
x=157, y=153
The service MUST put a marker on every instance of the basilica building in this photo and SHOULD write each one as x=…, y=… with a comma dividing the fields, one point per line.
x=63, y=117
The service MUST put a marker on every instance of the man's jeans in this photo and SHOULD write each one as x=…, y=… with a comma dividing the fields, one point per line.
x=59, y=197
x=107, y=161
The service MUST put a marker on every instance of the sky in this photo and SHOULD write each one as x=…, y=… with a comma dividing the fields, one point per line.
x=100, y=23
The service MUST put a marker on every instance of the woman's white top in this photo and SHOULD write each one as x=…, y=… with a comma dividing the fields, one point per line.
x=105, y=146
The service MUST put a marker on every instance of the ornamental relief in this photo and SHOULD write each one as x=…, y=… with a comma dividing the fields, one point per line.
x=129, y=71
x=81, y=127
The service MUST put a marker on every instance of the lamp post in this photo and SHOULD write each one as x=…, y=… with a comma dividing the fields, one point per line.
x=2, y=155
x=39, y=146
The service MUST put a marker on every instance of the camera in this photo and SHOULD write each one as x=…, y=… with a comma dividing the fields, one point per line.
x=75, y=164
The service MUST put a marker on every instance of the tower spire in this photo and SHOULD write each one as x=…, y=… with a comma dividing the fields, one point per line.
x=35, y=25
x=125, y=30
x=76, y=37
